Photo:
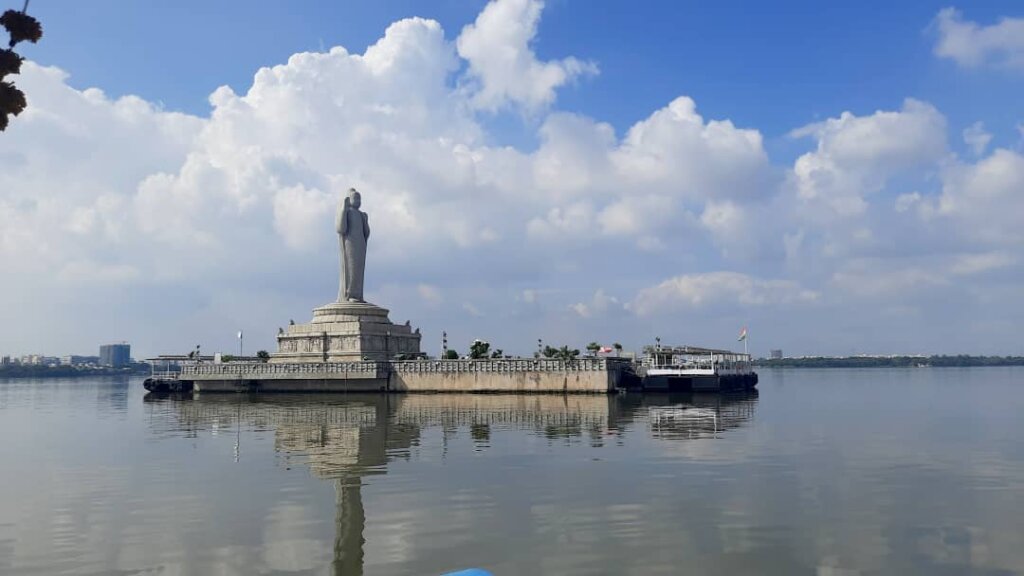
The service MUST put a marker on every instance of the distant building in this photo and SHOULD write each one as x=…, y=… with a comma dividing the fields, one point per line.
x=73, y=360
x=5, y=361
x=115, y=355
x=776, y=354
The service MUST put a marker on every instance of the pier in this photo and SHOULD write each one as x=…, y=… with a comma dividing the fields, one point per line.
x=586, y=376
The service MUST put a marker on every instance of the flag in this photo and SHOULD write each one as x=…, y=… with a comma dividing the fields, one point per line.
x=605, y=350
x=239, y=334
x=743, y=335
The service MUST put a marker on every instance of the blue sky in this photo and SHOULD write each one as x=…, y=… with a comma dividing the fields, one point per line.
x=772, y=65
x=590, y=170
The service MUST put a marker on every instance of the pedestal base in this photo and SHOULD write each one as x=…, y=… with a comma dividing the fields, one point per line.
x=346, y=332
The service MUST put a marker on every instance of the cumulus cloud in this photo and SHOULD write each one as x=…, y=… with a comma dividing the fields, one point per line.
x=695, y=291
x=972, y=45
x=503, y=67
x=113, y=210
x=984, y=201
x=856, y=155
x=830, y=191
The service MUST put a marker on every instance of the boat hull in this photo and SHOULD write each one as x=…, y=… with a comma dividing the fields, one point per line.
x=159, y=385
x=699, y=383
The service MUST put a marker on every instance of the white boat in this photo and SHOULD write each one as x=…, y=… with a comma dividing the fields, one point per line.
x=695, y=368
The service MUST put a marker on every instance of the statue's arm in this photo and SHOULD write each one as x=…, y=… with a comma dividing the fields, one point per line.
x=366, y=225
x=341, y=223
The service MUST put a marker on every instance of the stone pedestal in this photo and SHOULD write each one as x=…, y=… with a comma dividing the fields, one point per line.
x=346, y=332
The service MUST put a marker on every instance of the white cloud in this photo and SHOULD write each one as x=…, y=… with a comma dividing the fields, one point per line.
x=907, y=201
x=674, y=151
x=985, y=201
x=969, y=264
x=430, y=294
x=297, y=213
x=697, y=291
x=855, y=156
x=502, y=63
x=977, y=138
x=529, y=296
x=831, y=190
x=871, y=278
x=115, y=210
x=971, y=45
x=600, y=305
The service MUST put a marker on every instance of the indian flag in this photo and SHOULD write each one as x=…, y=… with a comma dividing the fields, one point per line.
x=743, y=335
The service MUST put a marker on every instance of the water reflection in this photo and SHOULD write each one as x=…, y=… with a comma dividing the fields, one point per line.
x=837, y=472
x=346, y=439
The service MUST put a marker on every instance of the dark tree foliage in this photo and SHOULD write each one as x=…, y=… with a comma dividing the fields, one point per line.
x=563, y=353
x=21, y=28
x=479, y=349
x=10, y=62
x=12, y=100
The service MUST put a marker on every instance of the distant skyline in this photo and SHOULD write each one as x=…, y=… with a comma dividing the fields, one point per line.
x=841, y=177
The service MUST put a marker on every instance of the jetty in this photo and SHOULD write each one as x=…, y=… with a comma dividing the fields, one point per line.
x=544, y=375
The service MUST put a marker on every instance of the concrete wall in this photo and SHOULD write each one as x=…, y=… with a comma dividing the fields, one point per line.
x=306, y=385
x=591, y=381
x=596, y=376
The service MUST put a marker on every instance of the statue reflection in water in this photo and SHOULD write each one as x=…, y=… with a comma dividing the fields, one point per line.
x=347, y=439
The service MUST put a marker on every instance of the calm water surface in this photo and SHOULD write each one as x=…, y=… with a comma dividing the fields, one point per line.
x=827, y=472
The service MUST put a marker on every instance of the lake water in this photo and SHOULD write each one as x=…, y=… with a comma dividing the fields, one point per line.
x=827, y=472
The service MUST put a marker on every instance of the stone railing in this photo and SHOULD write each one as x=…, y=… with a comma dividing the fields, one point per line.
x=502, y=365
x=260, y=370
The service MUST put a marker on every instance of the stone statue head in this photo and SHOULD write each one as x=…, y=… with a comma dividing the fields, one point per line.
x=354, y=198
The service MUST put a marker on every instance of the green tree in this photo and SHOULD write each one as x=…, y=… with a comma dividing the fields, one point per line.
x=563, y=353
x=21, y=27
x=593, y=348
x=263, y=355
x=498, y=353
x=618, y=349
x=479, y=349
x=451, y=355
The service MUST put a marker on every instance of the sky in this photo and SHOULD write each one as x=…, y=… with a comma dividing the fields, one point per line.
x=840, y=177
